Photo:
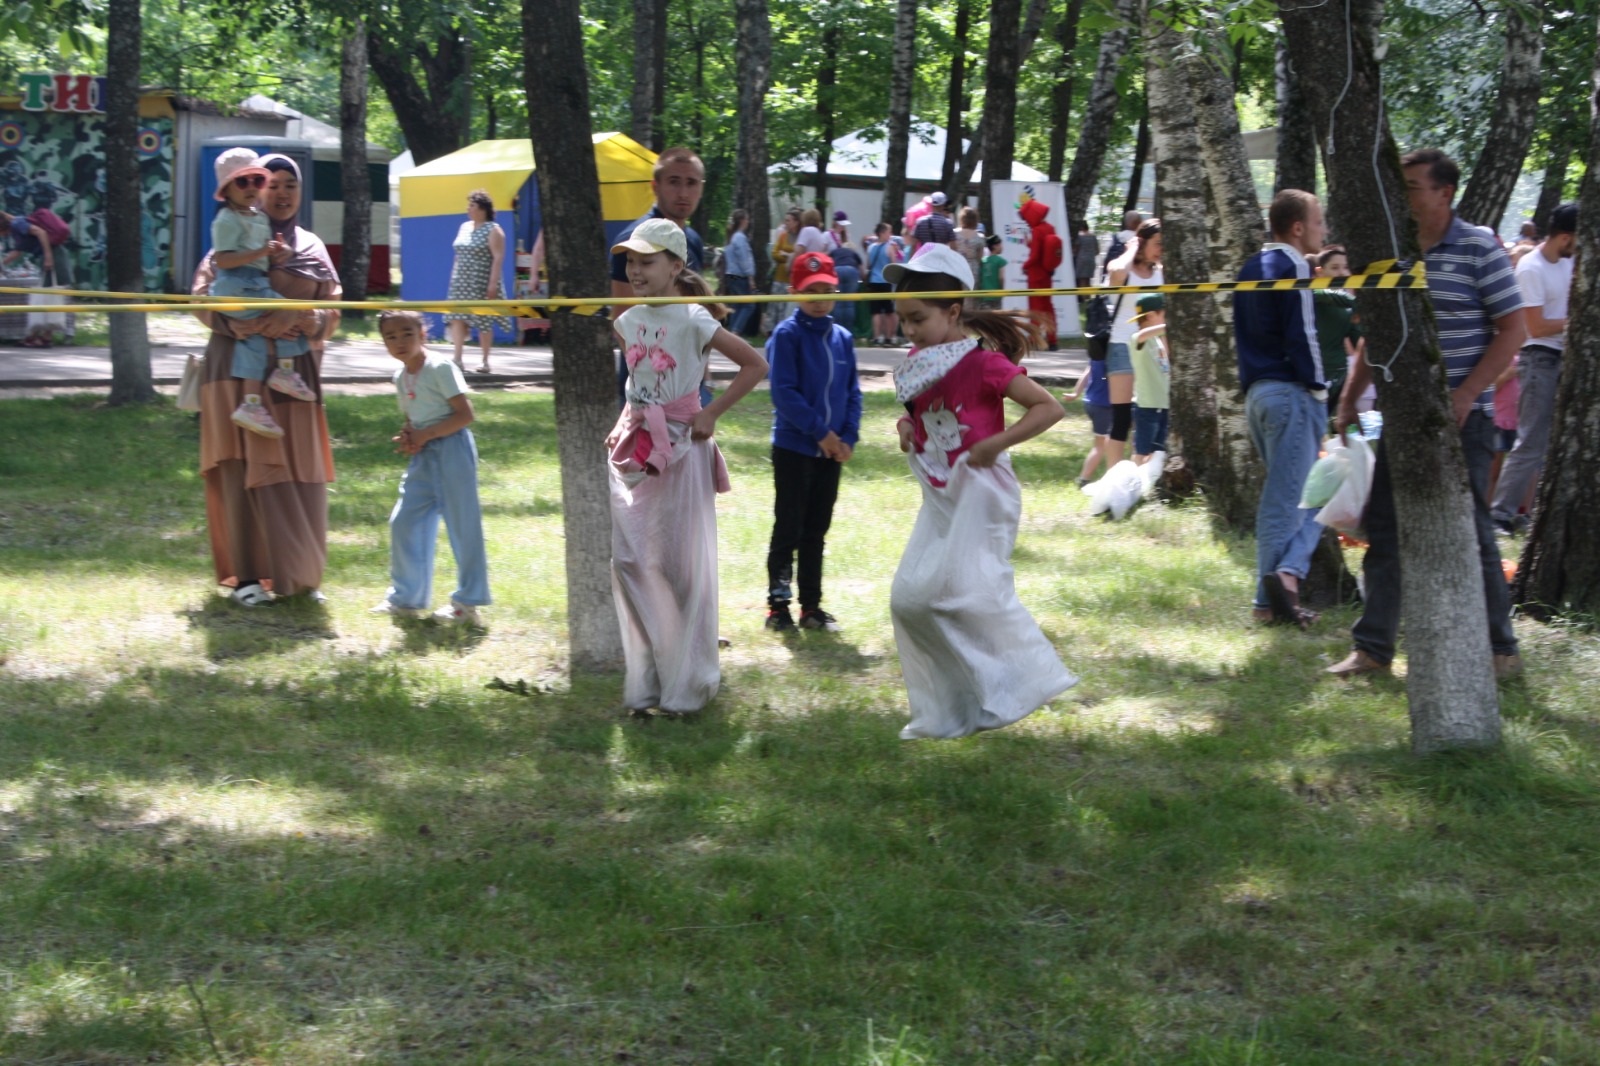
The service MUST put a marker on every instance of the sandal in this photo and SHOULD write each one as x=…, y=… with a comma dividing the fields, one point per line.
x=483, y=370
x=251, y=595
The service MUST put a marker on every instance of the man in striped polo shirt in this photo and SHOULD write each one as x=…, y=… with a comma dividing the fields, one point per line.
x=1477, y=304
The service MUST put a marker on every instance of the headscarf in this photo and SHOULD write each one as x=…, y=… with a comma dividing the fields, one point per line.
x=310, y=258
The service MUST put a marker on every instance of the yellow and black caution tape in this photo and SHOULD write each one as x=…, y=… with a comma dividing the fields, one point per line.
x=1385, y=275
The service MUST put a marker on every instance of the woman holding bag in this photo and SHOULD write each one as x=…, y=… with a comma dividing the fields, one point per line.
x=267, y=498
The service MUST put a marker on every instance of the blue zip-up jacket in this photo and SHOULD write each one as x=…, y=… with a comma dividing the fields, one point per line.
x=814, y=385
x=1276, y=332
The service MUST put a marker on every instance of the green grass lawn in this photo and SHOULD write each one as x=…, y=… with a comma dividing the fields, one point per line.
x=302, y=836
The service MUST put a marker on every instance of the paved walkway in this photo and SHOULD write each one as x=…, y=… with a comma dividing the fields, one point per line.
x=347, y=362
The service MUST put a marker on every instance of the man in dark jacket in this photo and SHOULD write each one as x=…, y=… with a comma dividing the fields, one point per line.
x=816, y=401
x=1286, y=401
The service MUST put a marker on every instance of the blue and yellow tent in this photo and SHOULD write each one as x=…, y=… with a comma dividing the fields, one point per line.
x=433, y=204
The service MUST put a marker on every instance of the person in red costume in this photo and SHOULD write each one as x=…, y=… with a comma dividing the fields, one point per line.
x=1044, y=256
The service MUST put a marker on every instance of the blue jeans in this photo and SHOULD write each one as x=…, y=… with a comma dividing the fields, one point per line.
x=1286, y=424
x=440, y=481
x=1539, y=371
x=1377, y=631
x=844, y=312
x=1149, y=430
x=734, y=285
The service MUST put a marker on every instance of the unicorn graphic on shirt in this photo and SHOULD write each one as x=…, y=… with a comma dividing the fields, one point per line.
x=944, y=429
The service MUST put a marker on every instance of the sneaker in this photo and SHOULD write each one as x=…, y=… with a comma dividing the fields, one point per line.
x=396, y=611
x=779, y=618
x=459, y=614
x=819, y=619
x=256, y=419
x=291, y=384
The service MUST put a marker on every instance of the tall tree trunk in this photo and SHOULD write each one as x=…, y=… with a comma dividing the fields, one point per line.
x=1000, y=102
x=355, y=253
x=1100, y=112
x=432, y=117
x=1516, y=116
x=557, y=84
x=1560, y=570
x=1186, y=253
x=983, y=137
x=1061, y=92
x=956, y=100
x=1141, y=156
x=130, y=343
x=827, y=75
x=1297, y=134
x=753, y=59
x=1450, y=684
x=1032, y=23
x=900, y=83
x=1554, y=185
x=649, y=72
x=1233, y=483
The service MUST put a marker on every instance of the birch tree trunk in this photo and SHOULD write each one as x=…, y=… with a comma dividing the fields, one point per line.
x=956, y=98
x=130, y=343
x=1233, y=481
x=1516, y=116
x=1094, y=135
x=355, y=250
x=900, y=83
x=1450, y=683
x=1560, y=570
x=753, y=62
x=1061, y=92
x=557, y=85
x=1186, y=253
x=1141, y=156
x=1297, y=133
x=1000, y=102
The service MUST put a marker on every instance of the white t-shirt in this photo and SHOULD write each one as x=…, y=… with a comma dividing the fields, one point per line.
x=665, y=349
x=1123, y=327
x=812, y=239
x=1546, y=285
x=425, y=398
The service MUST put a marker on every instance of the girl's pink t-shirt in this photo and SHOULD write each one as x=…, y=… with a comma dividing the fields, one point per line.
x=964, y=406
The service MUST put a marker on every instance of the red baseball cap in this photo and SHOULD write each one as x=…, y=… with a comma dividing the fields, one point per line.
x=809, y=268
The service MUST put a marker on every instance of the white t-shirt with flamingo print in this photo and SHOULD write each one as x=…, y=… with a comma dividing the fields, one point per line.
x=665, y=349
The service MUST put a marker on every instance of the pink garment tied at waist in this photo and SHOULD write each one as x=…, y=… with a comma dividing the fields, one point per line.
x=644, y=443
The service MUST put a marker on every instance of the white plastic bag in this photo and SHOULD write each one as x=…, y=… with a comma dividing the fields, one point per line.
x=1118, y=491
x=1347, y=510
x=1327, y=474
x=1150, y=472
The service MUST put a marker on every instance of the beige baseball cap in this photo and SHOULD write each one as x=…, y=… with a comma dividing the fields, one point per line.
x=655, y=235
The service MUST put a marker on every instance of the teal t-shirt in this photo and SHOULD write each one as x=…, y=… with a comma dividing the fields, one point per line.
x=425, y=399
x=235, y=231
x=989, y=271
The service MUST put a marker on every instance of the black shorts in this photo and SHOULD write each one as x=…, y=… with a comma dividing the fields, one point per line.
x=878, y=307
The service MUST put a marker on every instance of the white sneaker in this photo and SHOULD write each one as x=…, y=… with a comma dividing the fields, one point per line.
x=459, y=614
x=291, y=384
x=254, y=417
x=396, y=611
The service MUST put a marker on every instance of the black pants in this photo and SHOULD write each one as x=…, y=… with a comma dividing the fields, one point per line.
x=806, y=488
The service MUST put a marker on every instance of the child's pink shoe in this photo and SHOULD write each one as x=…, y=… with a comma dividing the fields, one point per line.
x=291, y=384
x=256, y=419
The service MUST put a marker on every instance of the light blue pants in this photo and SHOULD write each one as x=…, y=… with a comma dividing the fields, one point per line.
x=251, y=353
x=1286, y=425
x=441, y=481
x=1540, y=372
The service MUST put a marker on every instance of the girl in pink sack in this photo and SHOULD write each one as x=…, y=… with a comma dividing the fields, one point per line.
x=665, y=473
x=972, y=656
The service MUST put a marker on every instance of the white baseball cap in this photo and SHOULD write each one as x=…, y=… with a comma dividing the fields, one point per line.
x=938, y=199
x=932, y=259
x=655, y=235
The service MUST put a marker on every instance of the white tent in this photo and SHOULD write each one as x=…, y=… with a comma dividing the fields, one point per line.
x=856, y=169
